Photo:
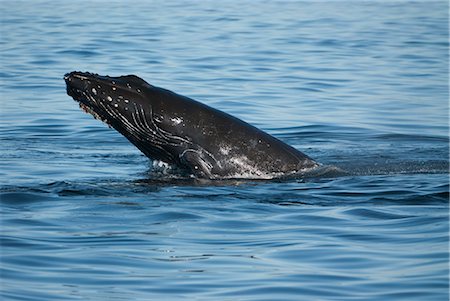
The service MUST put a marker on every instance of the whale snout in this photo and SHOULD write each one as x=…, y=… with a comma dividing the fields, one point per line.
x=80, y=84
x=76, y=83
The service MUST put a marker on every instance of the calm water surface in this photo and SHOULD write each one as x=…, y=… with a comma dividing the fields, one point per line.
x=361, y=86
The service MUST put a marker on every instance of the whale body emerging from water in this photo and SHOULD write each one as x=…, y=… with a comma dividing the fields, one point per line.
x=178, y=130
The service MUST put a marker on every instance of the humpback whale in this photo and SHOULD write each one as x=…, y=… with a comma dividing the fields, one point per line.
x=178, y=130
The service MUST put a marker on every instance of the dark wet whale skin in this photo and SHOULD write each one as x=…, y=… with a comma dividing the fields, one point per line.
x=178, y=130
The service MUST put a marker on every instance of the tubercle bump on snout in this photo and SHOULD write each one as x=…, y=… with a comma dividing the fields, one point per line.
x=80, y=75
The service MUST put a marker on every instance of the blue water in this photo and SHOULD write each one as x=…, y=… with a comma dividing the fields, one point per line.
x=360, y=86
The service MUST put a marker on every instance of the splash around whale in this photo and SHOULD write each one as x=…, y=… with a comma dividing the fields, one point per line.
x=180, y=131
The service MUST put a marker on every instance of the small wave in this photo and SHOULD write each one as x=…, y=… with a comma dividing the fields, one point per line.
x=379, y=166
x=23, y=197
x=54, y=190
x=412, y=138
x=332, y=132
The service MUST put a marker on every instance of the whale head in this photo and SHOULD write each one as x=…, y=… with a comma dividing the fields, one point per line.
x=105, y=96
x=124, y=104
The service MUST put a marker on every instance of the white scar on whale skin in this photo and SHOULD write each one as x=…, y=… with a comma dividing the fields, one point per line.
x=224, y=149
x=176, y=120
x=247, y=169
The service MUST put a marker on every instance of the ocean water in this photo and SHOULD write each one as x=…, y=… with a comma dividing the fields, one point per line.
x=360, y=86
